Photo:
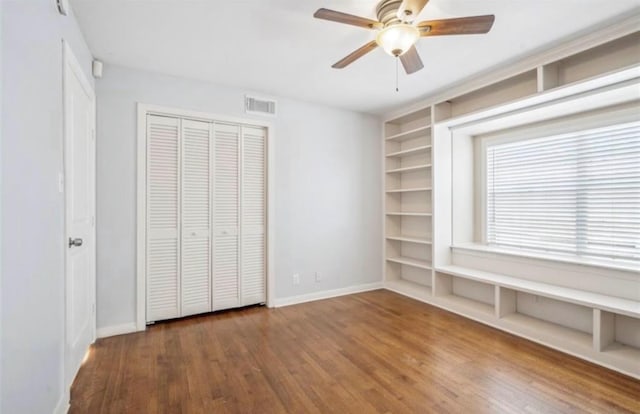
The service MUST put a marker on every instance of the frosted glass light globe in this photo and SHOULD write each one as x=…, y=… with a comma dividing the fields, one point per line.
x=398, y=38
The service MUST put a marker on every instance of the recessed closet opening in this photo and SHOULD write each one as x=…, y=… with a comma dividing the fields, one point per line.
x=203, y=213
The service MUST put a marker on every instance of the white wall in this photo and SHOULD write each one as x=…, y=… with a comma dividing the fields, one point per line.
x=32, y=208
x=327, y=177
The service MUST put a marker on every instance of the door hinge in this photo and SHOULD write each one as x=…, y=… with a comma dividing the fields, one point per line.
x=93, y=134
x=93, y=308
x=93, y=220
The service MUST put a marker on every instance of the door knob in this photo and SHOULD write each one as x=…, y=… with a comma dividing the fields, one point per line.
x=75, y=242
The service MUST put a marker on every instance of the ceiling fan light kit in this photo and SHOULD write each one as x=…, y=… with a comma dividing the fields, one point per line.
x=397, y=39
x=398, y=34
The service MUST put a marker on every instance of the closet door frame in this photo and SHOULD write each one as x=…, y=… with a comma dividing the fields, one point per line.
x=141, y=190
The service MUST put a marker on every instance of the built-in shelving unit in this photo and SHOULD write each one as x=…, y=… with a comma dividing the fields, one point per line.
x=408, y=210
x=423, y=194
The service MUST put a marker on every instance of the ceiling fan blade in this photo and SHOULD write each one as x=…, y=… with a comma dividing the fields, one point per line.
x=355, y=55
x=336, y=16
x=458, y=26
x=411, y=61
x=410, y=9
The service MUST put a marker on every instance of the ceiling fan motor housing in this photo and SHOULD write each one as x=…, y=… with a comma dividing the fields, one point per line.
x=387, y=12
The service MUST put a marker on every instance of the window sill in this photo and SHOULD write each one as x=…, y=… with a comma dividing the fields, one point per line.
x=598, y=263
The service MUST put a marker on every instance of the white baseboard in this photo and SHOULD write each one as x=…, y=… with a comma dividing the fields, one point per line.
x=326, y=294
x=63, y=404
x=113, y=330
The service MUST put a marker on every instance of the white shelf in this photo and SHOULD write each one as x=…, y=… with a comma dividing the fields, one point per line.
x=410, y=289
x=407, y=169
x=548, y=332
x=411, y=151
x=409, y=190
x=420, y=240
x=422, y=264
x=413, y=133
x=463, y=304
x=404, y=213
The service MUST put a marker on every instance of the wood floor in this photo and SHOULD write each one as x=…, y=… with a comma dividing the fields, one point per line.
x=374, y=352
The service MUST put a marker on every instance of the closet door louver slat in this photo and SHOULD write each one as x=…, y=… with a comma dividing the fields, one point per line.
x=196, y=202
x=253, y=216
x=226, y=286
x=163, y=208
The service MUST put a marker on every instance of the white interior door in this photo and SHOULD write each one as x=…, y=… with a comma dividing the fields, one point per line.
x=163, y=217
x=226, y=283
x=79, y=172
x=196, y=217
x=253, y=207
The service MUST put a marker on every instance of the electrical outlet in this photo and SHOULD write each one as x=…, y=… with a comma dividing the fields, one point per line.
x=296, y=279
x=318, y=277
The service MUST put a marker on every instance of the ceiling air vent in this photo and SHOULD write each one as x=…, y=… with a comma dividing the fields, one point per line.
x=253, y=105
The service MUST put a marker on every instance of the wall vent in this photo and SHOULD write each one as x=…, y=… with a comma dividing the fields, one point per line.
x=254, y=105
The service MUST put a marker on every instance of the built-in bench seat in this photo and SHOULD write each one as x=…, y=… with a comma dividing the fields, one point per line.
x=579, y=297
x=600, y=328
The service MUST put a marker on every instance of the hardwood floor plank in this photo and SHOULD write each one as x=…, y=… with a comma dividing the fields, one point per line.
x=374, y=352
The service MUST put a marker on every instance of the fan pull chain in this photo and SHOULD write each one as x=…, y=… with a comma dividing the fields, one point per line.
x=397, y=90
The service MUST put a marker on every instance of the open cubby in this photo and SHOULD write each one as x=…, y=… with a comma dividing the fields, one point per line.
x=617, y=335
x=412, y=202
x=406, y=270
x=410, y=159
x=414, y=122
x=558, y=312
x=410, y=137
x=463, y=294
x=547, y=332
x=507, y=90
x=409, y=179
x=553, y=320
x=413, y=150
x=418, y=228
x=617, y=54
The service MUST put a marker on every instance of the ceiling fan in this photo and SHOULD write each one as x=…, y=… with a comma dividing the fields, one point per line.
x=397, y=34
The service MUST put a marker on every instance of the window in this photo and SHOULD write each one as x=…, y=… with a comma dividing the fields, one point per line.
x=576, y=193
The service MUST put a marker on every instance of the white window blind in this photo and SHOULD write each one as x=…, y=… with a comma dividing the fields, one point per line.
x=576, y=194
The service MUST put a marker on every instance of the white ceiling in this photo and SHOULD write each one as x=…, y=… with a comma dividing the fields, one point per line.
x=276, y=46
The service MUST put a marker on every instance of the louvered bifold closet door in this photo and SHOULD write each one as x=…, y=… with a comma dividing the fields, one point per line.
x=163, y=217
x=226, y=285
x=253, y=216
x=196, y=217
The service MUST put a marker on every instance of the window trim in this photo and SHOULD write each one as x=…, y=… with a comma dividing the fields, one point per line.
x=601, y=118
